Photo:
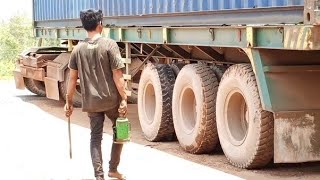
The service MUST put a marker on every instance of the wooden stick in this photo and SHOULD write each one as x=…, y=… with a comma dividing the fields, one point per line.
x=69, y=128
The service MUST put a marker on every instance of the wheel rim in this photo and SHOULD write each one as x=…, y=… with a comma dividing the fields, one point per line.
x=237, y=117
x=149, y=102
x=188, y=110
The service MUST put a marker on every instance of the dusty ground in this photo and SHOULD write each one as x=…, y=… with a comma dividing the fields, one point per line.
x=214, y=161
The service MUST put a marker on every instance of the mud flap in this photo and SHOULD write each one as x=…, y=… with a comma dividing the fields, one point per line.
x=52, y=88
x=18, y=78
x=297, y=136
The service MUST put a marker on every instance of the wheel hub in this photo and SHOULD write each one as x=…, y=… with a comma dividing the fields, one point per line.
x=237, y=117
x=149, y=102
x=188, y=110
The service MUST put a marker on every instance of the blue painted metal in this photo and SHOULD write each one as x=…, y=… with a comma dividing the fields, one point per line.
x=61, y=9
x=53, y=10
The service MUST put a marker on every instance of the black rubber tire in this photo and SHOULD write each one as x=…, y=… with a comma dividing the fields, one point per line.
x=36, y=87
x=177, y=67
x=195, y=90
x=245, y=129
x=77, y=99
x=154, y=102
x=219, y=70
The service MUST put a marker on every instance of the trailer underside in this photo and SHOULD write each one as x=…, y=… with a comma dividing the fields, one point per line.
x=284, y=59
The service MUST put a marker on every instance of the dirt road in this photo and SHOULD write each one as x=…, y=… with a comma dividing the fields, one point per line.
x=33, y=136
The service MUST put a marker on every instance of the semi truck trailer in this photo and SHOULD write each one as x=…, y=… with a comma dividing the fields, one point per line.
x=243, y=75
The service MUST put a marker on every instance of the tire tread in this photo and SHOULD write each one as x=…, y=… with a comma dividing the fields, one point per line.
x=207, y=138
x=32, y=87
x=263, y=152
x=167, y=79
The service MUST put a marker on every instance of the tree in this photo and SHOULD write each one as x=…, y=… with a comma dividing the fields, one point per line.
x=15, y=36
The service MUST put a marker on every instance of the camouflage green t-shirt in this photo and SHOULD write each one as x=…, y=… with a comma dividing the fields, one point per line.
x=95, y=60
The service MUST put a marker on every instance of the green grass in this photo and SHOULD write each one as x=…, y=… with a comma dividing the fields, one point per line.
x=6, y=68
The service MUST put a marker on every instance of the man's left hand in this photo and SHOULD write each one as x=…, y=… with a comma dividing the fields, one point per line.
x=123, y=108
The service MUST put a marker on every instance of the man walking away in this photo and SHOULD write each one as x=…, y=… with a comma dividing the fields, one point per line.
x=98, y=63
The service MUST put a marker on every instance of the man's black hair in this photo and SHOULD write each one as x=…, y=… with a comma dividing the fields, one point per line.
x=90, y=19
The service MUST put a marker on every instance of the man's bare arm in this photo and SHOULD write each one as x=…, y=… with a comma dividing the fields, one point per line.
x=72, y=84
x=120, y=83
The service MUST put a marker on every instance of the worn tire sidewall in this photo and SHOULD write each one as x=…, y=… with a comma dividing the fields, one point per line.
x=244, y=152
x=36, y=87
x=187, y=77
x=176, y=68
x=150, y=75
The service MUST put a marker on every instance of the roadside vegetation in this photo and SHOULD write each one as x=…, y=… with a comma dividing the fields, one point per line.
x=16, y=35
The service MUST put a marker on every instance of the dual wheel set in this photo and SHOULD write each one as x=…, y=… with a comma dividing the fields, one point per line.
x=203, y=105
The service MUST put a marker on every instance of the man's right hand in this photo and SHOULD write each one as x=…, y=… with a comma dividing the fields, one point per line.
x=68, y=110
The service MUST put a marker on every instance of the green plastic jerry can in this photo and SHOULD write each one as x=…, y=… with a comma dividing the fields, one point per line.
x=122, y=130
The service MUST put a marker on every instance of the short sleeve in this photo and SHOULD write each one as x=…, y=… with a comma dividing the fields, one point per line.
x=115, y=57
x=73, y=61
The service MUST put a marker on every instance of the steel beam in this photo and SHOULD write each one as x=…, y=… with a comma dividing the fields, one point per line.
x=143, y=50
x=127, y=75
x=257, y=65
x=291, y=37
x=214, y=55
x=145, y=60
x=311, y=12
x=162, y=51
x=134, y=50
x=179, y=51
x=284, y=87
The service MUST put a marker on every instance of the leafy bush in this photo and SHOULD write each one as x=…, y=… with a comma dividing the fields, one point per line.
x=15, y=36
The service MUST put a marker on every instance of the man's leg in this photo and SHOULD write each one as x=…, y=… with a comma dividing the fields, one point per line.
x=116, y=149
x=96, y=126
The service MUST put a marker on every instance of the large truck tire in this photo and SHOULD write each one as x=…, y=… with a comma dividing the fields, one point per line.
x=36, y=87
x=155, y=102
x=245, y=129
x=219, y=70
x=63, y=86
x=177, y=67
x=193, y=109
